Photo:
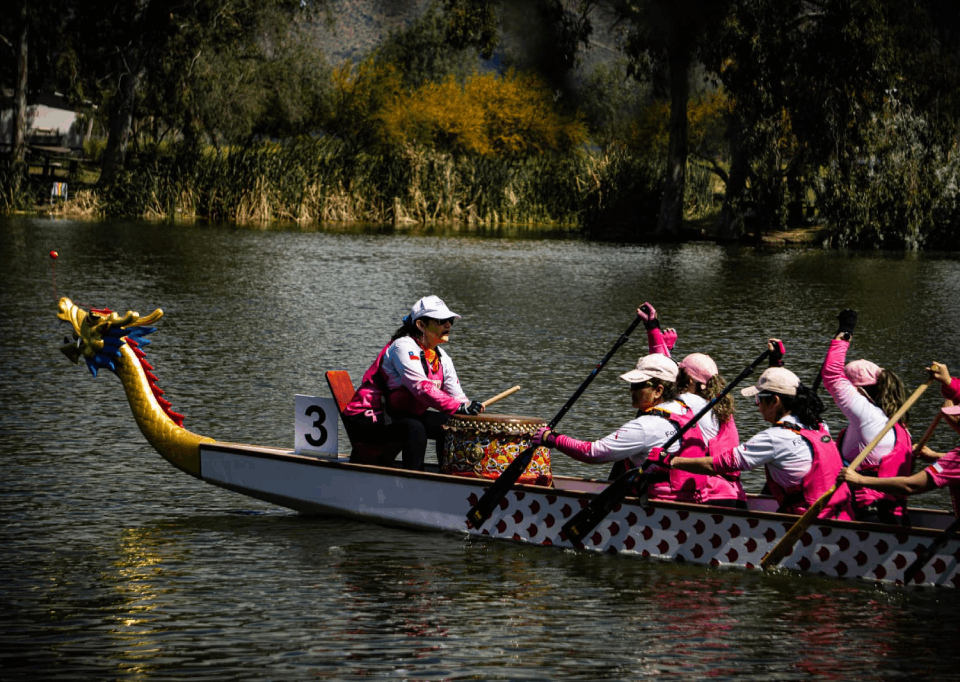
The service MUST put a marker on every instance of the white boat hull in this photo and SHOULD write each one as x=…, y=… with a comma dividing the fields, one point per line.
x=663, y=530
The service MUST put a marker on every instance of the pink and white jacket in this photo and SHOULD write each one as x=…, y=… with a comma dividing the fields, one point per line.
x=402, y=375
x=892, y=456
x=801, y=465
x=683, y=486
x=711, y=434
x=866, y=419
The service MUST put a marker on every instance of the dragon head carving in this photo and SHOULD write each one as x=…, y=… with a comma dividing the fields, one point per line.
x=108, y=340
x=99, y=333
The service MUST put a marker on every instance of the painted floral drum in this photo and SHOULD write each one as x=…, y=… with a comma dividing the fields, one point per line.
x=483, y=446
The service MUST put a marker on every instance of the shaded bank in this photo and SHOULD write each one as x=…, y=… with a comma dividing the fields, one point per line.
x=611, y=196
x=604, y=196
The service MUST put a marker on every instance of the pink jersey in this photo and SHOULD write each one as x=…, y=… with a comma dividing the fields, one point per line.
x=821, y=478
x=801, y=465
x=683, y=486
x=401, y=375
x=897, y=462
x=865, y=418
x=952, y=392
x=946, y=472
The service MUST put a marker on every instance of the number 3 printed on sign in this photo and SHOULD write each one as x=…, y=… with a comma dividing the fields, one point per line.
x=316, y=425
x=321, y=417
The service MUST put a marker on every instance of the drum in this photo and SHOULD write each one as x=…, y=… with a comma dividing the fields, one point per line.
x=482, y=446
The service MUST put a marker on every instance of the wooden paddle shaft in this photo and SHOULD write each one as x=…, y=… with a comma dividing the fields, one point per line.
x=500, y=396
x=782, y=548
x=908, y=403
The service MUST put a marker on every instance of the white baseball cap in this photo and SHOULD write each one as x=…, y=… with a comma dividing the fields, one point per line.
x=653, y=366
x=430, y=306
x=774, y=380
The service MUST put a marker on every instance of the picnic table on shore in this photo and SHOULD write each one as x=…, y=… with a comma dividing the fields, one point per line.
x=53, y=157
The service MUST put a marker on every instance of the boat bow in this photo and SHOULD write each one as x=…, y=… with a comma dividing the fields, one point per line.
x=107, y=340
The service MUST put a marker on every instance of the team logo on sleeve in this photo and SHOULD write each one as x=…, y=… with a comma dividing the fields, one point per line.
x=414, y=356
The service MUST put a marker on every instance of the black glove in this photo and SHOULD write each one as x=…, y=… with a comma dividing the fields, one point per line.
x=848, y=321
x=648, y=314
x=776, y=355
x=474, y=407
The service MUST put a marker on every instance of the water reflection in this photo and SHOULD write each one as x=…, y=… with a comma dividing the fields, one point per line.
x=116, y=566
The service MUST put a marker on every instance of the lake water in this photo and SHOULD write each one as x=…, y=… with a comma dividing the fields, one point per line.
x=117, y=566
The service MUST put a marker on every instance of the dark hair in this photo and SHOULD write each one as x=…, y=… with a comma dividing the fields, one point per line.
x=670, y=389
x=888, y=395
x=806, y=406
x=408, y=329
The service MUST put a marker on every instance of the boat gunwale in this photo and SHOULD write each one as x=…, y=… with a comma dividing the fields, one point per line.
x=285, y=454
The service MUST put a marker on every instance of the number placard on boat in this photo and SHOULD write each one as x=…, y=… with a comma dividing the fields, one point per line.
x=316, y=426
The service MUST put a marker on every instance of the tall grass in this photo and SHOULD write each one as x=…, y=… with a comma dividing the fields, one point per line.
x=16, y=192
x=322, y=180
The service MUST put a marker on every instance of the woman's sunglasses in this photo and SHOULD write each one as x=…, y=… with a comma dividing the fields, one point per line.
x=763, y=395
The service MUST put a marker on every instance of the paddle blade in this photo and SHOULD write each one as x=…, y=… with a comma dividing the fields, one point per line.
x=783, y=548
x=491, y=497
x=584, y=521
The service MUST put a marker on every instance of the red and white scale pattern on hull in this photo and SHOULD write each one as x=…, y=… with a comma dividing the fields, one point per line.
x=718, y=539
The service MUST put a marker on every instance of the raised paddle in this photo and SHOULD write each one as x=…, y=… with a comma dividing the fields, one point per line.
x=484, y=507
x=782, y=548
x=587, y=518
x=500, y=396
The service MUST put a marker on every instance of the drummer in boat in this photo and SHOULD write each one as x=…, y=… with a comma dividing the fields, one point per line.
x=411, y=389
x=799, y=456
x=945, y=470
x=653, y=391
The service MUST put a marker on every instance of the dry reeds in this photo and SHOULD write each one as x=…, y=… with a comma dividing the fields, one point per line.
x=323, y=180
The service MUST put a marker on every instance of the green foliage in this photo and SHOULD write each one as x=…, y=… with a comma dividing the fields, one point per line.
x=611, y=103
x=423, y=52
x=281, y=89
x=889, y=197
x=16, y=193
x=792, y=129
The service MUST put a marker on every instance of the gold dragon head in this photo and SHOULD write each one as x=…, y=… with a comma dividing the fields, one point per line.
x=90, y=328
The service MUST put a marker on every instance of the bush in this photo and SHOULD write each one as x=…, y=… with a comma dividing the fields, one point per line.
x=513, y=114
x=16, y=193
x=888, y=195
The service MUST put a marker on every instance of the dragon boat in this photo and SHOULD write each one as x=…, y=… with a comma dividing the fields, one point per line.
x=531, y=512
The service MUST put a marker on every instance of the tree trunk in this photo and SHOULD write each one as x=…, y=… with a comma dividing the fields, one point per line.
x=730, y=226
x=671, y=205
x=18, y=136
x=119, y=127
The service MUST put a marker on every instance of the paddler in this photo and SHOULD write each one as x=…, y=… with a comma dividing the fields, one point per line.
x=799, y=456
x=653, y=391
x=698, y=382
x=411, y=389
x=868, y=395
x=945, y=471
